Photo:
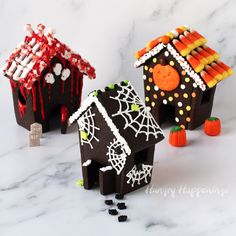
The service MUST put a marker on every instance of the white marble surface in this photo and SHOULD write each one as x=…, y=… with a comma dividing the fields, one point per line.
x=38, y=195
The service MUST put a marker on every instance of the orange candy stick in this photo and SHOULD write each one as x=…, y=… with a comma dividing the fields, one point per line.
x=212, y=52
x=153, y=43
x=222, y=71
x=188, y=43
x=225, y=67
x=214, y=73
x=183, y=49
x=140, y=53
x=205, y=54
x=196, y=64
x=209, y=80
x=198, y=56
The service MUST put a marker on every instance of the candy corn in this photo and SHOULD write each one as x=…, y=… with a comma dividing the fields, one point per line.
x=183, y=49
x=196, y=64
x=215, y=74
x=210, y=81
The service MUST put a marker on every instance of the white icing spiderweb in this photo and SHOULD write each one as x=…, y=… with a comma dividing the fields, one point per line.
x=136, y=115
x=87, y=127
x=117, y=155
x=136, y=175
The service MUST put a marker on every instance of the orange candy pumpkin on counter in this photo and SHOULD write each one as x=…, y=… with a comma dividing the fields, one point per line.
x=177, y=137
x=212, y=126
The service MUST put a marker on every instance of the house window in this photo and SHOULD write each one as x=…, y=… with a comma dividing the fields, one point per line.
x=206, y=96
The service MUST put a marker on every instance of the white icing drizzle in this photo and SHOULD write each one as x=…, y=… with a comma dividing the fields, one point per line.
x=136, y=175
x=184, y=64
x=106, y=168
x=87, y=163
x=149, y=54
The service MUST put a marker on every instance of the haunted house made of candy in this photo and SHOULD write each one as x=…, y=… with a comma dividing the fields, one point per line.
x=180, y=77
x=117, y=139
x=46, y=77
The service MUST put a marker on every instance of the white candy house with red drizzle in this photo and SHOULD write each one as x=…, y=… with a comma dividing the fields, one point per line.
x=46, y=77
x=180, y=77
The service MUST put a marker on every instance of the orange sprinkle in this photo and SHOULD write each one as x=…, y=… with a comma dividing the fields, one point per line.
x=162, y=93
x=176, y=95
x=155, y=96
x=188, y=119
x=193, y=94
x=182, y=126
x=183, y=49
x=183, y=72
x=150, y=70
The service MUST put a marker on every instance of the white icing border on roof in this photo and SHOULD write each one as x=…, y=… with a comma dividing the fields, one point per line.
x=149, y=54
x=184, y=64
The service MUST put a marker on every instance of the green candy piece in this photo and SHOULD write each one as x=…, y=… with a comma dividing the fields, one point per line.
x=95, y=93
x=84, y=135
x=176, y=128
x=126, y=81
x=111, y=86
x=80, y=182
x=135, y=107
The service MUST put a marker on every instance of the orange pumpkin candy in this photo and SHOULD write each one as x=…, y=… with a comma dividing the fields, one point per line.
x=177, y=137
x=212, y=126
x=166, y=77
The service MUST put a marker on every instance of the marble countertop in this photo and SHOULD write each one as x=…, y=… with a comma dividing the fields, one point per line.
x=193, y=189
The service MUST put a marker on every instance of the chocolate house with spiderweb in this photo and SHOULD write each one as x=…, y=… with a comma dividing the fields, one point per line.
x=117, y=139
x=46, y=77
x=180, y=77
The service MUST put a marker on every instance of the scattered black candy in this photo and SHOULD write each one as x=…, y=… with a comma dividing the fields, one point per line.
x=122, y=218
x=113, y=212
x=121, y=205
x=109, y=202
x=119, y=196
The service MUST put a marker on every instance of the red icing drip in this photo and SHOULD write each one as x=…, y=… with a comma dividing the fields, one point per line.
x=80, y=88
x=13, y=85
x=34, y=97
x=41, y=102
x=49, y=91
x=72, y=84
x=77, y=78
x=21, y=108
x=64, y=114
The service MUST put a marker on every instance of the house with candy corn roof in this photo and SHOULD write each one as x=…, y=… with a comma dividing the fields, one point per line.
x=180, y=75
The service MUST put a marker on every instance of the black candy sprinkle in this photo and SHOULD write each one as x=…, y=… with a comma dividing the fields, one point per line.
x=121, y=205
x=113, y=212
x=109, y=202
x=122, y=218
x=119, y=196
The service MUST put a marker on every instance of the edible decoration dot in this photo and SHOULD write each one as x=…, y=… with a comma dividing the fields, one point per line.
x=172, y=63
x=180, y=104
x=188, y=119
x=187, y=79
x=145, y=67
x=183, y=72
x=111, y=86
x=144, y=77
x=150, y=70
x=185, y=95
x=95, y=93
x=126, y=81
x=79, y=182
x=150, y=80
x=166, y=53
x=154, y=60
x=182, y=86
x=148, y=88
x=84, y=135
x=176, y=119
x=182, y=126
x=155, y=96
x=156, y=88
x=194, y=85
x=162, y=93
x=181, y=112
x=134, y=107
x=147, y=99
x=188, y=108
x=165, y=101
x=193, y=94
x=170, y=99
x=153, y=104
x=176, y=95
